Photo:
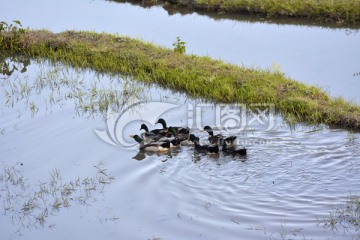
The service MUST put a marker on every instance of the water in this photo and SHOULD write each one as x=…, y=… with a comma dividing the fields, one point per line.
x=59, y=179
x=284, y=187
x=322, y=56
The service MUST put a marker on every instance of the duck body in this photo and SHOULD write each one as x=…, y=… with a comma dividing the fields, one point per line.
x=179, y=130
x=156, y=146
x=232, y=150
x=209, y=149
x=154, y=134
x=219, y=139
x=183, y=137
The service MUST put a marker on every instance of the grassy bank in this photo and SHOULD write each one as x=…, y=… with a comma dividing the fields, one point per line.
x=341, y=11
x=198, y=76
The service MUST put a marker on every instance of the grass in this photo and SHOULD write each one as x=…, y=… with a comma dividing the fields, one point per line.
x=61, y=85
x=346, y=217
x=200, y=77
x=30, y=207
x=340, y=11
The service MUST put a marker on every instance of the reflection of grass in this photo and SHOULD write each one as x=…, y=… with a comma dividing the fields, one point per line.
x=351, y=137
x=29, y=208
x=284, y=233
x=338, y=10
x=198, y=76
x=60, y=84
x=347, y=217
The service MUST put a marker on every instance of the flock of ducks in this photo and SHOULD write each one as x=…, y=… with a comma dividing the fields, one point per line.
x=160, y=140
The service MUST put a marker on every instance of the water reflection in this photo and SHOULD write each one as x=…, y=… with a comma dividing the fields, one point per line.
x=12, y=64
x=59, y=84
x=30, y=207
x=172, y=9
x=141, y=155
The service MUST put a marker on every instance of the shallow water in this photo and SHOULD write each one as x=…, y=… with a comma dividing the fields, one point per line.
x=57, y=173
x=289, y=181
x=323, y=56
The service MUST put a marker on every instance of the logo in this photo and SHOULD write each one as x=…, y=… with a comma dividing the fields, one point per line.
x=139, y=112
x=229, y=119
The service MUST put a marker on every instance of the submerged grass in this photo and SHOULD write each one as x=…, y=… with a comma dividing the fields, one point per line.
x=30, y=206
x=346, y=217
x=335, y=10
x=200, y=77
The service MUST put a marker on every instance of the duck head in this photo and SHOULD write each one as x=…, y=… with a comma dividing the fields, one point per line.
x=209, y=130
x=144, y=127
x=193, y=138
x=137, y=138
x=162, y=122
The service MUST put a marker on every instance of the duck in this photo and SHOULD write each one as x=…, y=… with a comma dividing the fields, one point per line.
x=155, y=146
x=155, y=133
x=182, y=137
x=218, y=139
x=209, y=149
x=232, y=150
x=179, y=130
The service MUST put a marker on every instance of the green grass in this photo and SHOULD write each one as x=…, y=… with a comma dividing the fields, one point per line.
x=335, y=10
x=200, y=77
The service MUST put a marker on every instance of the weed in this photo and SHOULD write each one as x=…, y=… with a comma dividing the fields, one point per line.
x=30, y=207
x=346, y=217
x=179, y=46
x=15, y=32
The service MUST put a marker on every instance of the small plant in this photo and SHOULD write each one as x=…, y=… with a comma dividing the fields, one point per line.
x=350, y=137
x=179, y=46
x=5, y=27
x=15, y=29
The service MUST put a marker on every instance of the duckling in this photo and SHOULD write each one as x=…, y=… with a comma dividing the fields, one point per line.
x=179, y=130
x=232, y=150
x=212, y=149
x=218, y=139
x=155, y=146
x=154, y=134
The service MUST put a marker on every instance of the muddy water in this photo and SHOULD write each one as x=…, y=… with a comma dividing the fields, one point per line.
x=323, y=56
x=59, y=179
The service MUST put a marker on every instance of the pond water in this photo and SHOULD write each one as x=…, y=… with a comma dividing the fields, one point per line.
x=324, y=56
x=68, y=168
x=67, y=160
